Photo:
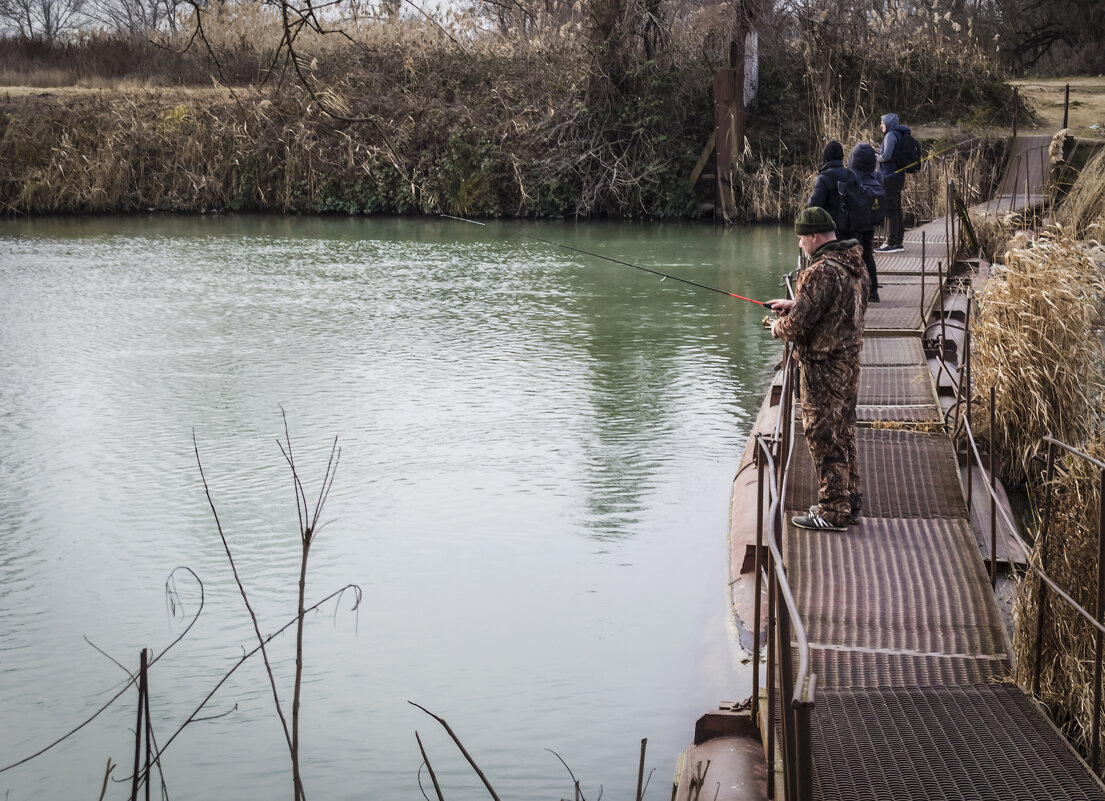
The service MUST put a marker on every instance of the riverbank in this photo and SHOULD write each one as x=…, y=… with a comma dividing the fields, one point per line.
x=404, y=117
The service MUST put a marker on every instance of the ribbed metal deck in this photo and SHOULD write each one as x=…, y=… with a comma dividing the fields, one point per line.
x=886, y=603
x=903, y=474
x=986, y=742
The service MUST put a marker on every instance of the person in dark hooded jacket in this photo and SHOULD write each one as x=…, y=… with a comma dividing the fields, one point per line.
x=862, y=160
x=825, y=193
x=893, y=181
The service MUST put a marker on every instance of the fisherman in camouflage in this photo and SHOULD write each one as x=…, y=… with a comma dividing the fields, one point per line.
x=825, y=322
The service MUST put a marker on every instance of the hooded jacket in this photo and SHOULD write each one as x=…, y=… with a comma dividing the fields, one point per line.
x=863, y=159
x=830, y=299
x=825, y=193
x=890, y=141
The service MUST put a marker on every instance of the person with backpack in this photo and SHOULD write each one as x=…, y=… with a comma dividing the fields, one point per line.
x=893, y=178
x=862, y=164
x=855, y=198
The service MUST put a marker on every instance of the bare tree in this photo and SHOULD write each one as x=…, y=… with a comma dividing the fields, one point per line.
x=43, y=20
x=136, y=19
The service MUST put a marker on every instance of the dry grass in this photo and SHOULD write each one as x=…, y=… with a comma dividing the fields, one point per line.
x=1067, y=664
x=1037, y=340
x=1082, y=211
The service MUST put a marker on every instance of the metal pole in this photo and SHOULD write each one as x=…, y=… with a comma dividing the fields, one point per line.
x=1096, y=748
x=965, y=368
x=1066, y=105
x=923, y=232
x=770, y=676
x=1015, y=104
x=967, y=390
x=759, y=583
x=1041, y=600
x=940, y=293
x=993, y=503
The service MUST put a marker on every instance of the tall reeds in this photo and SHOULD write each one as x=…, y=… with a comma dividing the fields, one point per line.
x=1037, y=340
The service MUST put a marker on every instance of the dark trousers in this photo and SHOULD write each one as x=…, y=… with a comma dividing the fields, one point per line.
x=895, y=224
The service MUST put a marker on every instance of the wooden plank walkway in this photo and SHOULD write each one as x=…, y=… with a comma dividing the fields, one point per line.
x=915, y=696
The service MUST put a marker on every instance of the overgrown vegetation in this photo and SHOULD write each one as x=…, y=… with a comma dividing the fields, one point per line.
x=522, y=110
x=1037, y=339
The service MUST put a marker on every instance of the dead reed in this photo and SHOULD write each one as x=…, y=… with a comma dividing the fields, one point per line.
x=1070, y=558
x=1082, y=211
x=1036, y=339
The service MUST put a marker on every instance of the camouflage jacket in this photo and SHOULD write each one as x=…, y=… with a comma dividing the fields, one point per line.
x=830, y=298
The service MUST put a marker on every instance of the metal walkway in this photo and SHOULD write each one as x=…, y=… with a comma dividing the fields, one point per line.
x=915, y=696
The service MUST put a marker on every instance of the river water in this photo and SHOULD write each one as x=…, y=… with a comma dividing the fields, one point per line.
x=536, y=450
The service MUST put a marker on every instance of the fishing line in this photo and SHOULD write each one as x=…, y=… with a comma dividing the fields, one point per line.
x=663, y=276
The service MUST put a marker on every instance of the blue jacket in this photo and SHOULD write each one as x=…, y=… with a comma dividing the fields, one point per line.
x=890, y=142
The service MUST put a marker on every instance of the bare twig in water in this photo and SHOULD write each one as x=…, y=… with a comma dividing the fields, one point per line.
x=575, y=781
x=357, y=592
x=107, y=775
x=245, y=598
x=122, y=690
x=463, y=750
x=430, y=768
x=308, y=529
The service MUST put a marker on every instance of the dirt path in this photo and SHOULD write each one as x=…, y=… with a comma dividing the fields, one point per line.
x=1087, y=103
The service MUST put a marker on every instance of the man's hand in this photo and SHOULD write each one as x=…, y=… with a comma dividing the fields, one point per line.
x=781, y=306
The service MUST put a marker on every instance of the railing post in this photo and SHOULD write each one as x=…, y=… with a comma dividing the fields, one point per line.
x=993, y=503
x=923, y=232
x=759, y=583
x=1016, y=95
x=1066, y=105
x=967, y=389
x=770, y=678
x=1041, y=600
x=1096, y=747
x=940, y=295
x=805, y=746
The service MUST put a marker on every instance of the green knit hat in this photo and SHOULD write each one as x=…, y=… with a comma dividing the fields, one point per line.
x=814, y=220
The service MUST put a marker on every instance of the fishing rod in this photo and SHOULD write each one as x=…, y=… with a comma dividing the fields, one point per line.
x=663, y=276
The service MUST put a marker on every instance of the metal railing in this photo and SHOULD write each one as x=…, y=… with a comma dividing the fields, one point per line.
x=1038, y=567
x=785, y=631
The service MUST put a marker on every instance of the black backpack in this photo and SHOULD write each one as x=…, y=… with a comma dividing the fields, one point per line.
x=862, y=202
x=909, y=153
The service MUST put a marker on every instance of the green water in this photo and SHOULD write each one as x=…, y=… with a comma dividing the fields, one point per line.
x=536, y=453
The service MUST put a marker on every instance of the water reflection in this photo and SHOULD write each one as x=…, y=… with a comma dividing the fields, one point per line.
x=536, y=455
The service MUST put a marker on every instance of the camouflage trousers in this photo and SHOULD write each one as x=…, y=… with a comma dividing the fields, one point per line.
x=829, y=391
